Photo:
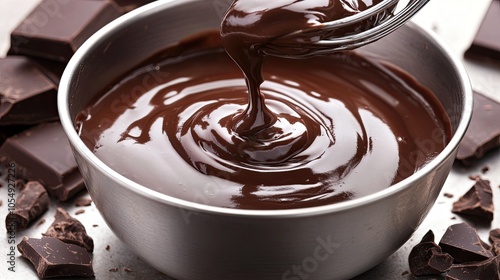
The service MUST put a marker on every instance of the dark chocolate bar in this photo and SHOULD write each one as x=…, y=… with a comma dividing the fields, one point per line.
x=427, y=258
x=486, y=43
x=483, y=133
x=478, y=201
x=31, y=203
x=69, y=230
x=27, y=96
x=462, y=242
x=53, y=258
x=55, y=29
x=487, y=269
x=43, y=153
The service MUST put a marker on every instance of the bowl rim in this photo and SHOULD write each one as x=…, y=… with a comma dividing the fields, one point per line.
x=142, y=12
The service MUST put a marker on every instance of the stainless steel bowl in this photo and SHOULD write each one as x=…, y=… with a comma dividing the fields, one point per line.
x=188, y=240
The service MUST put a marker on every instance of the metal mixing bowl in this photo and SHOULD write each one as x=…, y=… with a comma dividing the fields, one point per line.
x=192, y=241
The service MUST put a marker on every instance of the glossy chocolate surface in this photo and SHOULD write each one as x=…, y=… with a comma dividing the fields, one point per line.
x=344, y=126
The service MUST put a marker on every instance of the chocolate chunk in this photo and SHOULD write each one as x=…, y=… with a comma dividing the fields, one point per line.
x=53, y=258
x=462, y=242
x=494, y=238
x=487, y=269
x=43, y=153
x=56, y=29
x=483, y=134
x=27, y=96
x=129, y=5
x=478, y=201
x=486, y=43
x=427, y=258
x=70, y=230
x=31, y=203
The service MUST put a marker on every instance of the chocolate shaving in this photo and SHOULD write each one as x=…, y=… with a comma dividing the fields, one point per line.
x=31, y=203
x=69, y=230
x=53, y=258
x=478, y=201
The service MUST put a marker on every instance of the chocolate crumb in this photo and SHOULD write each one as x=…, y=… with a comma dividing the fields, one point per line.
x=95, y=225
x=83, y=201
x=41, y=222
x=81, y=211
x=448, y=195
x=107, y=247
x=478, y=201
x=485, y=169
x=126, y=269
x=113, y=269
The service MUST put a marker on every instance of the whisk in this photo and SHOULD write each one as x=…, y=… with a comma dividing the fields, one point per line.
x=324, y=38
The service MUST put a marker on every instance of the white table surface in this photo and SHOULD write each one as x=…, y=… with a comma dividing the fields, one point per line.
x=454, y=21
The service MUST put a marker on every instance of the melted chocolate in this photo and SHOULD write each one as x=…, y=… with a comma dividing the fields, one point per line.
x=343, y=126
x=250, y=28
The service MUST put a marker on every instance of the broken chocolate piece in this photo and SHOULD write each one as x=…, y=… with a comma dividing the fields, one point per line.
x=69, y=230
x=31, y=203
x=478, y=201
x=427, y=258
x=53, y=258
x=487, y=269
x=43, y=153
x=486, y=43
x=462, y=242
x=27, y=96
x=483, y=133
x=494, y=238
x=56, y=29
